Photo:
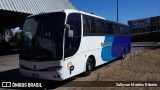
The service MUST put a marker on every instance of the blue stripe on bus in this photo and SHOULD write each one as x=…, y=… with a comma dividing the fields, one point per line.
x=114, y=46
x=106, y=53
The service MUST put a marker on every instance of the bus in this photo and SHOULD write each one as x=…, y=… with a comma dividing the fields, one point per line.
x=61, y=44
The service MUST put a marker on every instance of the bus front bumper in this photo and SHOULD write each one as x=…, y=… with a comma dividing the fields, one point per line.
x=47, y=75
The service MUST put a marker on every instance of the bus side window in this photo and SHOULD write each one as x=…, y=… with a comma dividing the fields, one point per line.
x=98, y=26
x=104, y=27
x=123, y=30
x=89, y=25
x=86, y=24
x=110, y=28
x=92, y=25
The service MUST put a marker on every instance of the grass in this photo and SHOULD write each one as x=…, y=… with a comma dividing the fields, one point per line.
x=145, y=67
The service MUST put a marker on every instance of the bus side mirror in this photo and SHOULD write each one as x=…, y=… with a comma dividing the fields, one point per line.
x=69, y=29
x=69, y=35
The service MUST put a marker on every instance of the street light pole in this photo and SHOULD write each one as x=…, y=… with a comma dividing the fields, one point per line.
x=117, y=9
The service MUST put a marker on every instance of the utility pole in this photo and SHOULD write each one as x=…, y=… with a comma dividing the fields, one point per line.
x=117, y=9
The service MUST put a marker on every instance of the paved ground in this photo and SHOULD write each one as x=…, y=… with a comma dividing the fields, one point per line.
x=141, y=45
x=9, y=68
x=143, y=67
x=8, y=62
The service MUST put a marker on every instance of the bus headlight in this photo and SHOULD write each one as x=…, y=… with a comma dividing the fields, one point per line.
x=54, y=68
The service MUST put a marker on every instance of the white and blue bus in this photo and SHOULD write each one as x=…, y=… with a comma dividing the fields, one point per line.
x=62, y=44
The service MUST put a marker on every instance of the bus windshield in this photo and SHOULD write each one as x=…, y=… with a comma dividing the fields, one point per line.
x=42, y=37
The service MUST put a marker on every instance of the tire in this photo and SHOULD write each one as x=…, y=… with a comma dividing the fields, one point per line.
x=89, y=67
x=123, y=53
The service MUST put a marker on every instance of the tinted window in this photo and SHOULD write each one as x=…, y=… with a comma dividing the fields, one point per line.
x=104, y=27
x=93, y=26
x=42, y=38
x=110, y=28
x=72, y=44
x=89, y=25
x=98, y=26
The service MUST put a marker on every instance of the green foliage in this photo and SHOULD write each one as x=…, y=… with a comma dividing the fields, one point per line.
x=14, y=40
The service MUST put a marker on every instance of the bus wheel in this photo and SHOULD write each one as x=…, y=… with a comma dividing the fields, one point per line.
x=89, y=67
x=123, y=53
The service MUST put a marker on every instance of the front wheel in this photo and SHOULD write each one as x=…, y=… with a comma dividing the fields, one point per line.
x=89, y=67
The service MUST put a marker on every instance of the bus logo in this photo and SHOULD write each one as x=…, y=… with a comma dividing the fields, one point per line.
x=6, y=84
x=106, y=44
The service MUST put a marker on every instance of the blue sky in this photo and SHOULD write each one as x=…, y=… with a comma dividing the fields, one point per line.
x=128, y=9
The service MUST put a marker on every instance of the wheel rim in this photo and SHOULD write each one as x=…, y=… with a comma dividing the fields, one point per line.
x=124, y=54
x=89, y=66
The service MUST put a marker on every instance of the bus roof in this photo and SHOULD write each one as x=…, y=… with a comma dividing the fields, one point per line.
x=68, y=11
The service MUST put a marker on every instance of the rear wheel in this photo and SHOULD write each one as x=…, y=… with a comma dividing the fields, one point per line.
x=89, y=67
x=123, y=53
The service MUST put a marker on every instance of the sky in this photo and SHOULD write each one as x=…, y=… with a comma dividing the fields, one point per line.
x=128, y=9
